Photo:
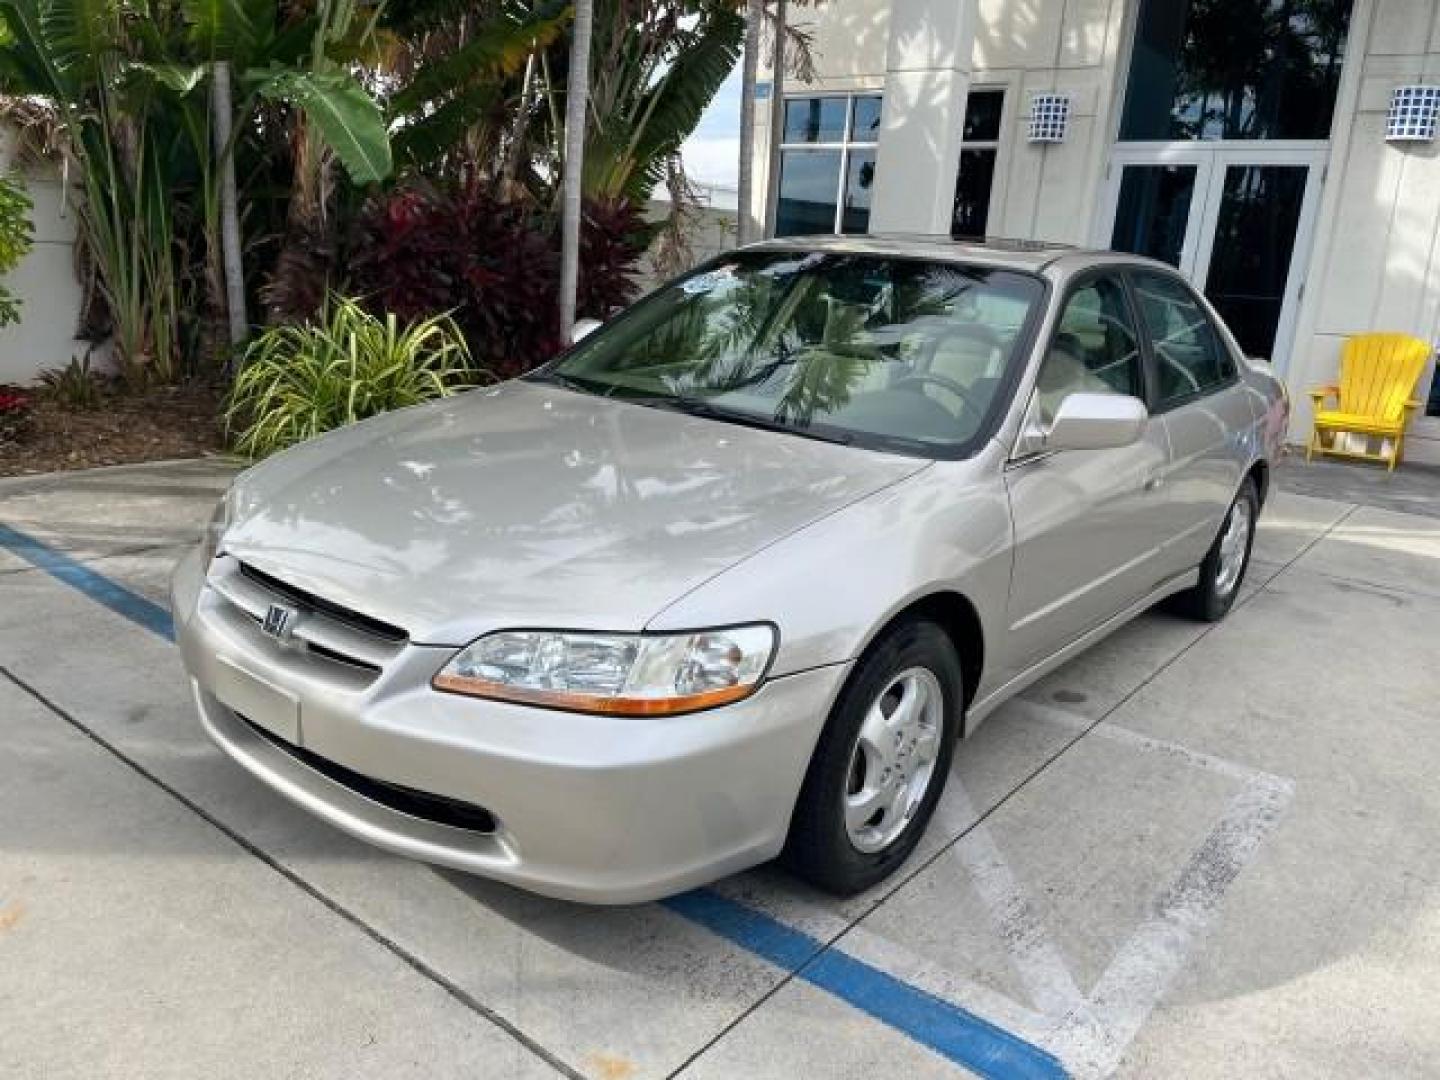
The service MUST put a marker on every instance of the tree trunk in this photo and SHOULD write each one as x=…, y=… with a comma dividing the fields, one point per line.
x=229, y=210
x=577, y=100
x=777, y=117
x=745, y=218
x=510, y=171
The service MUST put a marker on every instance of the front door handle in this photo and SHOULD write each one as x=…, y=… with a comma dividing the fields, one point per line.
x=1154, y=483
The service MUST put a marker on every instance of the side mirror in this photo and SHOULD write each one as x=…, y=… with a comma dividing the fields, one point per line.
x=584, y=328
x=1097, y=422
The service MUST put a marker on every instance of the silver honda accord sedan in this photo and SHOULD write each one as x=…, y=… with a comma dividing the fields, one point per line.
x=730, y=578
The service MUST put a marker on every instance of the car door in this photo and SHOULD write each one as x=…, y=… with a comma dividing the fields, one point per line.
x=1085, y=532
x=1196, y=392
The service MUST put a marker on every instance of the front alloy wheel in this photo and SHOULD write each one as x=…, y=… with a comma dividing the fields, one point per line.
x=893, y=763
x=881, y=762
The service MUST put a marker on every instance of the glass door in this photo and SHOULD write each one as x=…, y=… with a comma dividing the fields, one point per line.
x=1154, y=211
x=1252, y=231
x=1236, y=221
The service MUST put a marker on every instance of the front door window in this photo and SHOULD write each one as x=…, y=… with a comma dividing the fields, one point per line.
x=1095, y=349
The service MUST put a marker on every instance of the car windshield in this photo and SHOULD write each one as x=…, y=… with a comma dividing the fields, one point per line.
x=892, y=353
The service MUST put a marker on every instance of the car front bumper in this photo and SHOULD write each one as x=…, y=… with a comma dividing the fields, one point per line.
x=590, y=808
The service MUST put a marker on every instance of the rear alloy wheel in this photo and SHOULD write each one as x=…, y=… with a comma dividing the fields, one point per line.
x=881, y=763
x=1229, y=557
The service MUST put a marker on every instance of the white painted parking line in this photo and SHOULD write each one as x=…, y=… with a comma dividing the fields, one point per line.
x=1106, y=730
x=1088, y=1033
x=1036, y=960
x=1147, y=964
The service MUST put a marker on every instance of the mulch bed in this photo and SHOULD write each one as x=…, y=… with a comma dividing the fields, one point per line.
x=166, y=422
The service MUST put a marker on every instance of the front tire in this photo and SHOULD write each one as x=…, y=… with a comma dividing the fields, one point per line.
x=881, y=763
x=1212, y=597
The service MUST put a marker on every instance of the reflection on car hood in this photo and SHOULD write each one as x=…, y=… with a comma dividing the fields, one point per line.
x=531, y=505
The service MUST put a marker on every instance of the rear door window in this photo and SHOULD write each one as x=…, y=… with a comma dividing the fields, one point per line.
x=1190, y=357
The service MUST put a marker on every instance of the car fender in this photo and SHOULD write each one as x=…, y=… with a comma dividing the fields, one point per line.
x=833, y=586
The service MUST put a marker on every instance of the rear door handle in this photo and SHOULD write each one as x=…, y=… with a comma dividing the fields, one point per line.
x=1154, y=483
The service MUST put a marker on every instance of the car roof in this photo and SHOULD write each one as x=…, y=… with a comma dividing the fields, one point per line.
x=1034, y=256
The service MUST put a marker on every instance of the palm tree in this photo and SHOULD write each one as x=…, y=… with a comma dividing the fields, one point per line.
x=656, y=68
x=754, y=13
x=777, y=106
x=124, y=80
x=577, y=100
x=233, y=266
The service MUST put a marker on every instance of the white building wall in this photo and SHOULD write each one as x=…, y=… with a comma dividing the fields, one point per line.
x=1376, y=260
x=1041, y=191
x=45, y=282
x=1049, y=191
x=927, y=78
x=849, y=39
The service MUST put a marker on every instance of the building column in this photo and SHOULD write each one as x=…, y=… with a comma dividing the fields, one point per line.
x=927, y=77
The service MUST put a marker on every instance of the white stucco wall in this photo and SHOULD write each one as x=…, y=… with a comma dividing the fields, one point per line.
x=1375, y=264
x=44, y=281
x=1026, y=46
x=1049, y=191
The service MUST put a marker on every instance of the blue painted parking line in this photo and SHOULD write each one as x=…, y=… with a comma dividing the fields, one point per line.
x=945, y=1028
x=97, y=586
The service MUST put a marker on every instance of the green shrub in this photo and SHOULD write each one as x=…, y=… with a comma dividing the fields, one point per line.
x=74, y=387
x=300, y=381
x=15, y=239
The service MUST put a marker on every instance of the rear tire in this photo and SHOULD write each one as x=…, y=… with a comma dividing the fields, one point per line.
x=881, y=763
x=1223, y=570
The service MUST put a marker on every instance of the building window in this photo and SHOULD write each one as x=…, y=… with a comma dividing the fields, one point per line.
x=827, y=164
x=1235, y=69
x=979, y=147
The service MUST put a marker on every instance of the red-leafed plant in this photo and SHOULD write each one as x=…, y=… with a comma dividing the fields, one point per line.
x=613, y=235
x=493, y=265
x=15, y=415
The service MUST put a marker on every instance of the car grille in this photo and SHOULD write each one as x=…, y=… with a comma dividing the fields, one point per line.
x=327, y=632
x=417, y=804
x=311, y=602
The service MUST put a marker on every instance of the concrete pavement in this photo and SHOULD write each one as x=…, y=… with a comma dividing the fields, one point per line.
x=1192, y=851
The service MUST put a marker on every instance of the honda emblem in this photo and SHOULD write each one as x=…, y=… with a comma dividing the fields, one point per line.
x=278, y=622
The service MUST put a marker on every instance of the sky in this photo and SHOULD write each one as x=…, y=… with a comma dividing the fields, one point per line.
x=711, y=153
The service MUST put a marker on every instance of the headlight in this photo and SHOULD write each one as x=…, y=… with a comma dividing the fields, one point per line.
x=626, y=674
x=215, y=531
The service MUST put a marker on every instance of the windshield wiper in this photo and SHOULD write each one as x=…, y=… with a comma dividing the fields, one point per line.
x=570, y=382
x=699, y=407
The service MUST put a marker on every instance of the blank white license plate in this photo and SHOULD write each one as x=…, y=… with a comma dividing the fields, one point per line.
x=260, y=702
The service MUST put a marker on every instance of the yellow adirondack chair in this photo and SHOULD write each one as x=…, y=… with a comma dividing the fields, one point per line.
x=1378, y=373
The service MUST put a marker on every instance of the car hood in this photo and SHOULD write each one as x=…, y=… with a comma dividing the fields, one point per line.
x=527, y=505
